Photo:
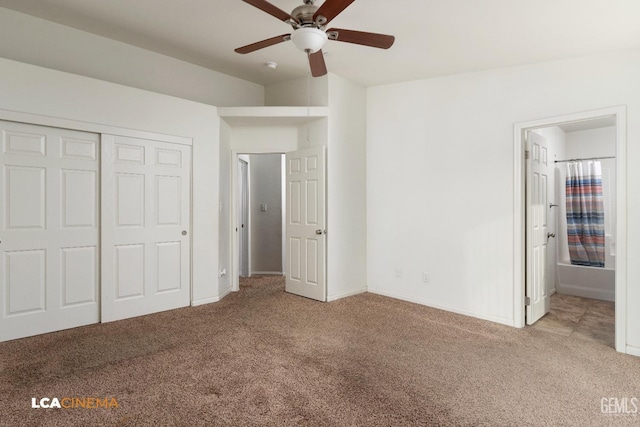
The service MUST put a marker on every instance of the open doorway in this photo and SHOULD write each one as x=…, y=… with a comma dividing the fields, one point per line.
x=302, y=233
x=585, y=297
x=260, y=199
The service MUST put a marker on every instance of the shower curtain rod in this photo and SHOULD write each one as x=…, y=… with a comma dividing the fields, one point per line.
x=587, y=158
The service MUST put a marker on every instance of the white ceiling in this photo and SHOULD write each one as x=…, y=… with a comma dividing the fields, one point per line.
x=433, y=37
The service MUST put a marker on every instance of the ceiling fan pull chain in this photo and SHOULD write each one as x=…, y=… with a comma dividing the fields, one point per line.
x=308, y=102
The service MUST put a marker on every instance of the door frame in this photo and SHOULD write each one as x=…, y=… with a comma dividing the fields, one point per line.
x=244, y=185
x=519, y=209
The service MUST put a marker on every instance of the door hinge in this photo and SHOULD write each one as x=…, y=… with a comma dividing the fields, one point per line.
x=526, y=155
x=527, y=301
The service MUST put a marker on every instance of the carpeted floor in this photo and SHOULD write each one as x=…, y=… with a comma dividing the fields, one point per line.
x=264, y=357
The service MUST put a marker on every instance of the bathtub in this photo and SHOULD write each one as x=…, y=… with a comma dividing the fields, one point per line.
x=587, y=282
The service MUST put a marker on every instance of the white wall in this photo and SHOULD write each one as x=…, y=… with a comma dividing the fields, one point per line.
x=30, y=89
x=264, y=139
x=296, y=92
x=440, y=194
x=346, y=190
x=47, y=44
x=266, y=226
x=224, y=237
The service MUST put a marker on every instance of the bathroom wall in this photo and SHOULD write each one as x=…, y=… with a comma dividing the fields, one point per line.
x=266, y=213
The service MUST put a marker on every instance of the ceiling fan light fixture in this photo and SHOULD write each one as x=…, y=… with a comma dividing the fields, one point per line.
x=309, y=39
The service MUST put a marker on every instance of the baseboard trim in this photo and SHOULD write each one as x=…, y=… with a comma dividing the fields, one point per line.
x=432, y=304
x=634, y=351
x=346, y=294
x=203, y=301
x=267, y=273
x=585, y=292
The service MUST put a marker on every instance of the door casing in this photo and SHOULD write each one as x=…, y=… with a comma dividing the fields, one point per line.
x=235, y=235
x=244, y=218
x=519, y=209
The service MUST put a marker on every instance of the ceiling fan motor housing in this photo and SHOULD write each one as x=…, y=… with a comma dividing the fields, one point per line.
x=304, y=15
x=308, y=36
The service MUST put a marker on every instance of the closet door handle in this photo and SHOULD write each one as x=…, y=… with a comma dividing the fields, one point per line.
x=551, y=235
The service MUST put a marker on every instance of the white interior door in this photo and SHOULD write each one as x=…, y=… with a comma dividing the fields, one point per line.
x=539, y=169
x=146, y=189
x=306, y=223
x=49, y=230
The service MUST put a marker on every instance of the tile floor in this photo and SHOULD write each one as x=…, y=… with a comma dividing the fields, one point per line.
x=585, y=318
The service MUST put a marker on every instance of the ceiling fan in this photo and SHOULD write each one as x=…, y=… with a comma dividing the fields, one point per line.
x=309, y=31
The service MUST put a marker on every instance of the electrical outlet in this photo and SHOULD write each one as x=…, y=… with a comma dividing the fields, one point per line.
x=398, y=272
x=426, y=277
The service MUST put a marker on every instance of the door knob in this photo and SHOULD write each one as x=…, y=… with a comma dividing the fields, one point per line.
x=318, y=231
x=551, y=235
x=184, y=232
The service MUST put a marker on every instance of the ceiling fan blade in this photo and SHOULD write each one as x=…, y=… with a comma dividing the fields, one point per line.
x=382, y=41
x=317, y=64
x=265, y=6
x=262, y=44
x=331, y=8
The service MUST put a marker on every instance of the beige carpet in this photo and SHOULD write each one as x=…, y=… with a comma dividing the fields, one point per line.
x=264, y=357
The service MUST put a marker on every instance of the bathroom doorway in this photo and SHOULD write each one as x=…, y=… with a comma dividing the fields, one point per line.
x=551, y=281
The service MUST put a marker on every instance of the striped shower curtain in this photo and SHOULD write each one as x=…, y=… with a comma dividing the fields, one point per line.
x=585, y=213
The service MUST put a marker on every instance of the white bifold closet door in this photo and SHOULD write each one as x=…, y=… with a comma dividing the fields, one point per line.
x=145, y=226
x=49, y=229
